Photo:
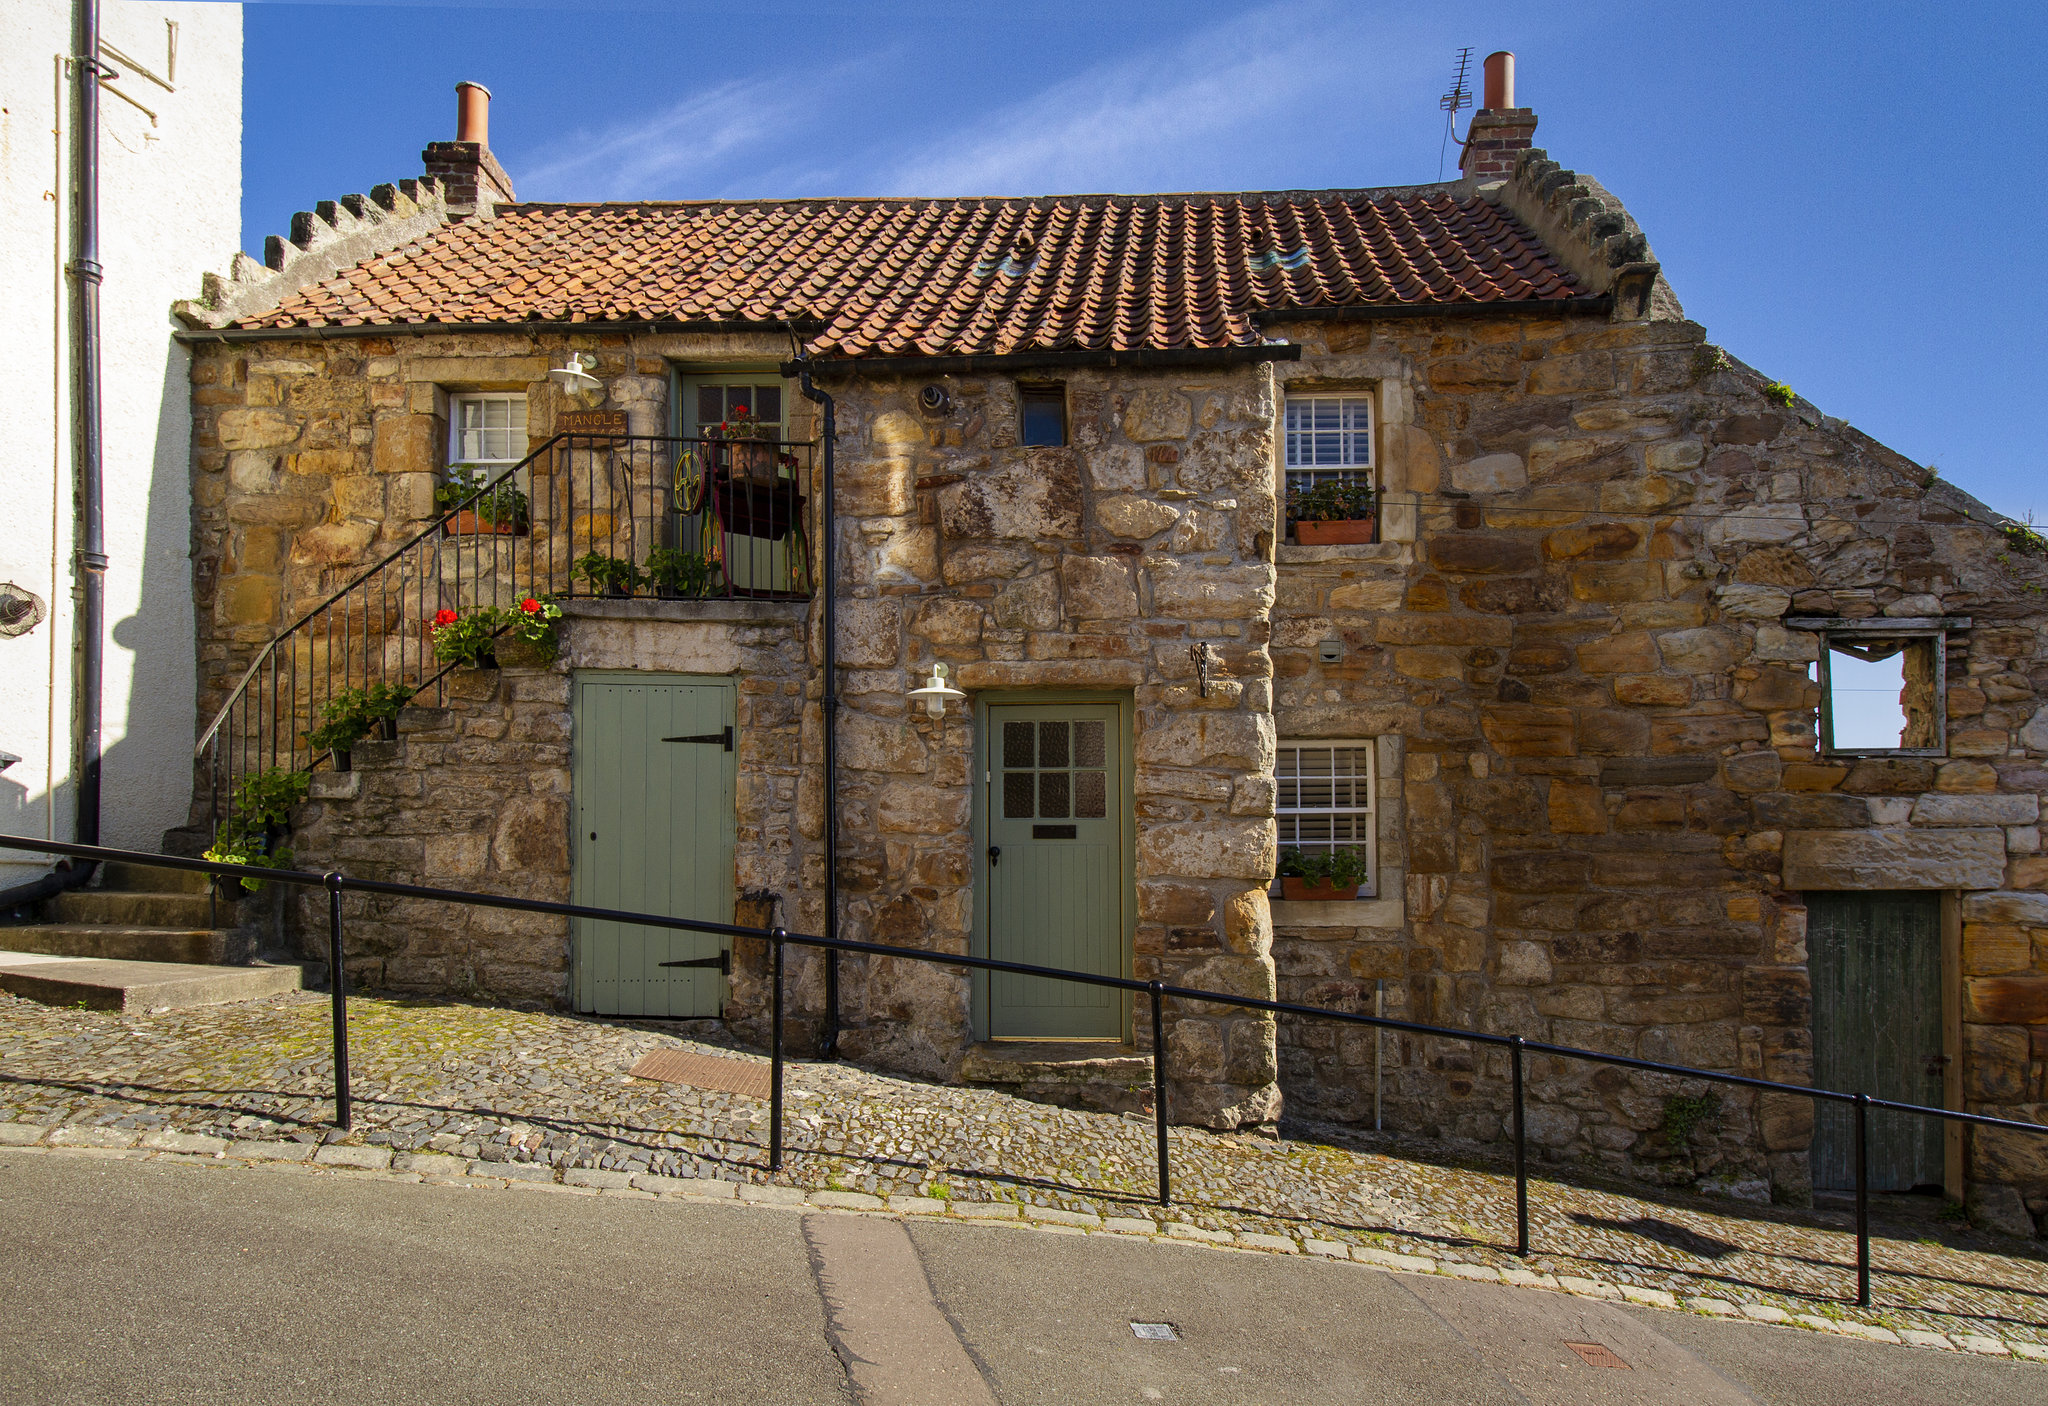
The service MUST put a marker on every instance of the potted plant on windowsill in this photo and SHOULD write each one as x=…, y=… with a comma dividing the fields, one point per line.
x=681, y=575
x=1321, y=876
x=608, y=576
x=1336, y=513
x=500, y=511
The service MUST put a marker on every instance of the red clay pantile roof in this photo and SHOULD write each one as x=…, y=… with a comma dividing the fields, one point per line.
x=952, y=277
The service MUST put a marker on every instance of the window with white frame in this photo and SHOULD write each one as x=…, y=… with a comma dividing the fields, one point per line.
x=486, y=429
x=1327, y=437
x=1324, y=800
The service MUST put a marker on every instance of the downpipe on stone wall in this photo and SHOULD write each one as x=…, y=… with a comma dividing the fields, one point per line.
x=828, y=1043
x=91, y=560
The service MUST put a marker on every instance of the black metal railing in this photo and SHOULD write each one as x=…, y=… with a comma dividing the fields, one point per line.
x=1157, y=992
x=583, y=515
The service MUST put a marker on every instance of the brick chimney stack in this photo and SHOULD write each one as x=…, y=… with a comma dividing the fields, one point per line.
x=1500, y=131
x=476, y=184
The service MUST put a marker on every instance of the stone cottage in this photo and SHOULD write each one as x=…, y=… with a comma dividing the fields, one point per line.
x=1590, y=703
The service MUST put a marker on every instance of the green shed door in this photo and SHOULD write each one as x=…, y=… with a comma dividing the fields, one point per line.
x=653, y=778
x=1875, y=959
x=1056, y=884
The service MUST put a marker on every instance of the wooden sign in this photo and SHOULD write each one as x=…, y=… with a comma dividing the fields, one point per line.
x=590, y=422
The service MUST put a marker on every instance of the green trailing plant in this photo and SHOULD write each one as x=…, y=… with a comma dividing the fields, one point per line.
x=2022, y=538
x=1325, y=868
x=500, y=506
x=258, y=816
x=1337, y=500
x=611, y=576
x=1779, y=394
x=1707, y=360
x=1931, y=477
x=1683, y=1116
x=464, y=640
x=354, y=713
x=680, y=573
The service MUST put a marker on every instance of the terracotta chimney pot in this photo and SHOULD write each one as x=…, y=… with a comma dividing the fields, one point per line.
x=475, y=183
x=1500, y=131
x=473, y=111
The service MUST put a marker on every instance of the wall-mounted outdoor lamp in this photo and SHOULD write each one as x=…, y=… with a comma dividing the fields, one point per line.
x=574, y=373
x=935, y=692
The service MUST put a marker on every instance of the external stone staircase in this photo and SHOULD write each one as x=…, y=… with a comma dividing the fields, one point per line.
x=145, y=939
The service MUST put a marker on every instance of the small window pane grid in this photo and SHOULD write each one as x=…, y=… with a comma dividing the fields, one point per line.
x=1324, y=800
x=1055, y=770
x=717, y=404
x=1328, y=438
x=489, y=429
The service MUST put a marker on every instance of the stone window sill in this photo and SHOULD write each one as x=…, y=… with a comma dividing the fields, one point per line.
x=1359, y=913
x=1289, y=554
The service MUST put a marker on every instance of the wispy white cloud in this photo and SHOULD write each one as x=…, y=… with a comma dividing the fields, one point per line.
x=1127, y=123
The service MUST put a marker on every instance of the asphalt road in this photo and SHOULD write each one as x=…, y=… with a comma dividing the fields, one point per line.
x=130, y=1282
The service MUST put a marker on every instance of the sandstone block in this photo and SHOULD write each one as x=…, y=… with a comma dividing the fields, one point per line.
x=1894, y=859
x=1098, y=588
x=1224, y=849
x=869, y=743
x=404, y=444
x=915, y=808
x=248, y=600
x=1158, y=415
x=1976, y=810
x=1134, y=518
x=1033, y=502
x=876, y=486
x=949, y=621
x=256, y=429
x=1744, y=602
x=869, y=633
x=1367, y=597
x=1187, y=592
x=1576, y=809
x=1527, y=730
x=1495, y=473
x=1996, y=949
x=1217, y=740
x=896, y=427
x=1964, y=778
x=1476, y=553
x=1632, y=652
x=1757, y=522
x=2007, y=906
x=1653, y=690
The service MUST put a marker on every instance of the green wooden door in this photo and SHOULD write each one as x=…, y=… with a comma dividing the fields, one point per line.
x=1057, y=827
x=1875, y=959
x=654, y=834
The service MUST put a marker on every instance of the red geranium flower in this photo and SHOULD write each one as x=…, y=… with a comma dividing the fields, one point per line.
x=739, y=412
x=529, y=605
x=445, y=617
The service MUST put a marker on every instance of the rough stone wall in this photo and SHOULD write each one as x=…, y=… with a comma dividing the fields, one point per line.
x=1576, y=628
x=1089, y=567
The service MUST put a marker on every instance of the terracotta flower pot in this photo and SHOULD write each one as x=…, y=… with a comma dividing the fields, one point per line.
x=1334, y=534
x=1295, y=890
x=470, y=524
x=754, y=461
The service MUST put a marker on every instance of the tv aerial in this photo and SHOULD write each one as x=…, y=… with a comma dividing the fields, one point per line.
x=1453, y=102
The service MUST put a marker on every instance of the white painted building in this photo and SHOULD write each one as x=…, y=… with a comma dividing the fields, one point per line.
x=170, y=197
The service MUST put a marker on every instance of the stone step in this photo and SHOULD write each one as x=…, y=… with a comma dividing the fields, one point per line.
x=117, y=943
x=111, y=907
x=139, y=986
x=1102, y=1075
x=148, y=878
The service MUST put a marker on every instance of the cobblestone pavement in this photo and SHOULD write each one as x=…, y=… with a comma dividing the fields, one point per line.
x=488, y=1095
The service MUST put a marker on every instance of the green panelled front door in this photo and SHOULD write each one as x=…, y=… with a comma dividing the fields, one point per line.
x=1875, y=960
x=1057, y=818
x=654, y=834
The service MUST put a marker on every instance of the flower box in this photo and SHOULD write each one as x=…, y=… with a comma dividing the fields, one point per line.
x=1295, y=890
x=766, y=510
x=1342, y=533
x=471, y=524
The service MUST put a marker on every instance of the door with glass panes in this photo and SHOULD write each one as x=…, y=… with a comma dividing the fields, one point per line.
x=754, y=563
x=1055, y=867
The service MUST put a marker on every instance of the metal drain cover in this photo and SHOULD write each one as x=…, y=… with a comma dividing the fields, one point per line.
x=1598, y=1355
x=1156, y=1332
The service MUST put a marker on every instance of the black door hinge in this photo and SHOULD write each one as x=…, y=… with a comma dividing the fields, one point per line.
x=723, y=961
x=721, y=738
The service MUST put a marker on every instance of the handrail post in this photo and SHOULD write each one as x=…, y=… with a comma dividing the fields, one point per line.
x=337, y=983
x=777, y=938
x=1159, y=1091
x=1521, y=1153
x=1863, y=1200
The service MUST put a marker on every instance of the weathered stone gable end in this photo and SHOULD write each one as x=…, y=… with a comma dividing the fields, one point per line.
x=1599, y=737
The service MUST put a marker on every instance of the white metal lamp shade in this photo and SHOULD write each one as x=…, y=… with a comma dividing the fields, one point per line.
x=574, y=373
x=935, y=692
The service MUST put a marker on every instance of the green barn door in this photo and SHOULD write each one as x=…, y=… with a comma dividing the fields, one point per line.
x=1875, y=960
x=653, y=778
x=1057, y=818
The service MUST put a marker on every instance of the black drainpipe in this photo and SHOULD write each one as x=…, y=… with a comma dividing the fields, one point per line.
x=828, y=1044
x=91, y=560
x=92, y=557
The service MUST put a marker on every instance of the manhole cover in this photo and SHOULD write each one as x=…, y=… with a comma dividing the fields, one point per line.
x=1598, y=1355
x=1155, y=1332
x=732, y=1076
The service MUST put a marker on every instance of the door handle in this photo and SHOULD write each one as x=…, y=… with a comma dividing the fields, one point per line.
x=995, y=854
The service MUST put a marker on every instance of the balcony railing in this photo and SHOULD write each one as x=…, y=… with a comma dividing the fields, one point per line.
x=583, y=515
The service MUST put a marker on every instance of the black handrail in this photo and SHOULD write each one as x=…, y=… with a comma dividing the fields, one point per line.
x=778, y=939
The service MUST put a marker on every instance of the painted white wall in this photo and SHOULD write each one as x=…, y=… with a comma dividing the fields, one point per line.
x=170, y=200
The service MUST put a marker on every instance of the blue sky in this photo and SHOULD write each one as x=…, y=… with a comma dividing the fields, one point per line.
x=1848, y=196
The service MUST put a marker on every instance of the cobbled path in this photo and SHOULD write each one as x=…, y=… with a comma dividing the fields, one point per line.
x=483, y=1094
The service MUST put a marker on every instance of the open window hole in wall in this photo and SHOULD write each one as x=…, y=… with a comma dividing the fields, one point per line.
x=1879, y=695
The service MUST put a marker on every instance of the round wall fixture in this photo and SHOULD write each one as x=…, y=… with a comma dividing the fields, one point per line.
x=21, y=610
x=935, y=400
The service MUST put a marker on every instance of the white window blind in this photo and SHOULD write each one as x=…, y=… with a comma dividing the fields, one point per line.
x=1327, y=437
x=488, y=429
x=1324, y=800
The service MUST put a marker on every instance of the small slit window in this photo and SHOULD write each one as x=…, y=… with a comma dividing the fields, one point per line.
x=1324, y=801
x=1044, y=410
x=487, y=429
x=1883, y=689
